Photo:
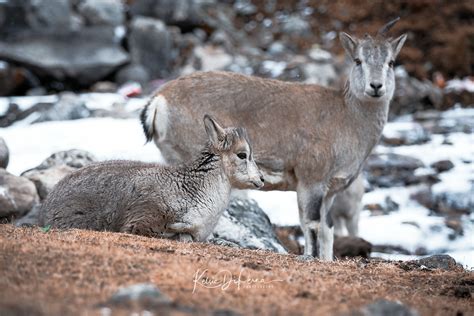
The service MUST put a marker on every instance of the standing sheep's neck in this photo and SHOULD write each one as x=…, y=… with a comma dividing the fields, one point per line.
x=369, y=117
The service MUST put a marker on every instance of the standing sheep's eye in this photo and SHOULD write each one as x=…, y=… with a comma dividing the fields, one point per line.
x=242, y=156
x=391, y=63
x=357, y=61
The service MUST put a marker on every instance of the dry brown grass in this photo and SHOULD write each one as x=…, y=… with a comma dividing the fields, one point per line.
x=70, y=272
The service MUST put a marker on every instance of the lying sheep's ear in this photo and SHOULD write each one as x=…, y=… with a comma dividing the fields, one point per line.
x=215, y=132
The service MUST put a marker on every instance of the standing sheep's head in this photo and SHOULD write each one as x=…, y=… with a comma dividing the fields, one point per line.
x=233, y=145
x=372, y=77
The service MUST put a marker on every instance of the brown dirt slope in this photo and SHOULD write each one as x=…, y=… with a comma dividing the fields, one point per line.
x=70, y=272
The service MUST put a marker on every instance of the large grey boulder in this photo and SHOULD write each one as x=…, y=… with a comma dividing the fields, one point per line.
x=55, y=167
x=4, y=154
x=46, y=179
x=245, y=224
x=17, y=195
x=42, y=15
x=86, y=56
x=75, y=158
x=151, y=45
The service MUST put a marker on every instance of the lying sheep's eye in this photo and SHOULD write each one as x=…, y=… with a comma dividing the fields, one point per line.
x=242, y=156
x=357, y=61
x=391, y=63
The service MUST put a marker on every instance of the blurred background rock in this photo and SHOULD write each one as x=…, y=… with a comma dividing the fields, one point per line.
x=51, y=46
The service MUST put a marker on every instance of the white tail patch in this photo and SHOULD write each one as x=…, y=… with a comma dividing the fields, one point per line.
x=155, y=118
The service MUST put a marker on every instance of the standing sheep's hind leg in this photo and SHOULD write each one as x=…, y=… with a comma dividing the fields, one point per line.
x=352, y=223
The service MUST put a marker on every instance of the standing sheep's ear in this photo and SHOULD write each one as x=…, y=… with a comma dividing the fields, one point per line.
x=397, y=44
x=348, y=43
x=213, y=130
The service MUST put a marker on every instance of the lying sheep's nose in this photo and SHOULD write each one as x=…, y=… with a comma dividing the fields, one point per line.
x=262, y=179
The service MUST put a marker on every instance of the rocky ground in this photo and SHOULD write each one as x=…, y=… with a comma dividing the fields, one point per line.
x=79, y=272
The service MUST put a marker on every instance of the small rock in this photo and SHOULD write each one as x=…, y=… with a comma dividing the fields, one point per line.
x=245, y=7
x=46, y=179
x=289, y=236
x=443, y=262
x=276, y=48
x=132, y=73
x=446, y=200
x=392, y=161
x=296, y=25
x=17, y=195
x=387, y=170
x=390, y=249
x=68, y=107
x=102, y=12
x=244, y=223
x=32, y=218
x=456, y=225
x=323, y=74
x=104, y=87
x=351, y=247
x=442, y=165
x=143, y=294
x=385, y=208
x=305, y=258
x=424, y=197
x=462, y=292
x=384, y=307
x=404, y=133
x=11, y=78
x=212, y=58
x=319, y=55
x=4, y=154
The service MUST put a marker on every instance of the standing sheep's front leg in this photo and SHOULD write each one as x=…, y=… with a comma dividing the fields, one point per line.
x=316, y=222
x=309, y=204
x=326, y=230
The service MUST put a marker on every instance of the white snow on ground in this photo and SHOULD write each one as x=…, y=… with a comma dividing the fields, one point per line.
x=280, y=206
x=465, y=84
x=106, y=138
x=410, y=227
